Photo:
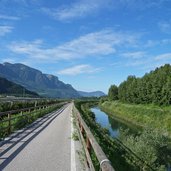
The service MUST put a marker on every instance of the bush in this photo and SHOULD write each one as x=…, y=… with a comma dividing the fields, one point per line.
x=150, y=146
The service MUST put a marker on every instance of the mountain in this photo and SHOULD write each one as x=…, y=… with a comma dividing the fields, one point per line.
x=91, y=94
x=34, y=80
x=10, y=88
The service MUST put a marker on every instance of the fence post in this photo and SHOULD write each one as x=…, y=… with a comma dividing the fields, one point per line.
x=82, y=129
x=88, y=144
x=9, y=123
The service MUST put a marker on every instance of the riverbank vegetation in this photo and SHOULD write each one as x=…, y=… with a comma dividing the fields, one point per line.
x=144, y=102
x=120, y=151
x=140, y=115
x=149, y=145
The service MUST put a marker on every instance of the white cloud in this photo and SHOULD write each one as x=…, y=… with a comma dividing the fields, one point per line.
x=134, y=55
x=165, y=27
x=82, y=8
x=154, y=43
x=79, y=69
x=151, y=43
x=164, y=56
x=78, y=9
x=99, y=43
x=5, y=29
x=150, y=62
x=136, y=63
x=19, y=2
x=10, y=60
x=155, y=61
x=166, y=41
x=140, y=4
x=115, y=64
x=8, y=17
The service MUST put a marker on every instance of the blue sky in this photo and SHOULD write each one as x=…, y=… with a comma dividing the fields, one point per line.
x=90, y=44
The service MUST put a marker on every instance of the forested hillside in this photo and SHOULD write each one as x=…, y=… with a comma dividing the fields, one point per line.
x=154, y=87
x=10, y=88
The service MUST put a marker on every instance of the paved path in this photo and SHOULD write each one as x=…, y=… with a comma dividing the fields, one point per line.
x=44, y=146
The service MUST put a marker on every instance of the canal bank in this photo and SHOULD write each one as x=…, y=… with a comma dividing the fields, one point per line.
x=141, y=116
x=140, y=142
x=113, y=124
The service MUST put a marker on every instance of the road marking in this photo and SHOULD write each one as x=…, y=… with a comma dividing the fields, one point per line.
x=73, y=162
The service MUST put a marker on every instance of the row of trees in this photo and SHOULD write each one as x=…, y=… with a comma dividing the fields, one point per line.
x=154, y=87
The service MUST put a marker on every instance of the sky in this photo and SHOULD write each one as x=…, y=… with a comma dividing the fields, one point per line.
x=90, y=44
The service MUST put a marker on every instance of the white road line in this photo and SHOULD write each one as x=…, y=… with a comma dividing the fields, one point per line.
x=73, y=162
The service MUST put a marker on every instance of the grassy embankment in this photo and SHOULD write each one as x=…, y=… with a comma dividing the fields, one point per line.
x=140, y=115
x=121, y=157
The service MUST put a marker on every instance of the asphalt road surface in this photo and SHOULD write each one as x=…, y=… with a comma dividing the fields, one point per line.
x=43, y=146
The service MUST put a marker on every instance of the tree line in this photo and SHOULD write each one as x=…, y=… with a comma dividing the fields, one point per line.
x=153, y=87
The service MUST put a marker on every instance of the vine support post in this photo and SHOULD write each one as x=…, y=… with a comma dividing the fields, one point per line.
x=9, y=123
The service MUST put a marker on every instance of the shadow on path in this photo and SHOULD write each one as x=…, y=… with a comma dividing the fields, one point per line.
x=35, y=128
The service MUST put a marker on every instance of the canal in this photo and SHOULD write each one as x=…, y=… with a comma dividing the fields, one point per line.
x=112, y=124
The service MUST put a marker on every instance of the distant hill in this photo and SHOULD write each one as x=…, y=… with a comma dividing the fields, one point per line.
x=10, y=88
x=34, y=80
x=91, y=94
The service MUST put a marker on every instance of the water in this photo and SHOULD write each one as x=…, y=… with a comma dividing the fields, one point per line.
x=113, y=125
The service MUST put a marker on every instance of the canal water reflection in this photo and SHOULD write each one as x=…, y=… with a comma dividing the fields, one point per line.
x=113, y=125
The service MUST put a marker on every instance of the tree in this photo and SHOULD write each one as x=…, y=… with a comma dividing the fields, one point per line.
x=113, y=92
x=154, y=87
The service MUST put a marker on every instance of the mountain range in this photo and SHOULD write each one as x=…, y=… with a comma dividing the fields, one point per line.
x=34, y=80
x=91, y=94
x=44, y=84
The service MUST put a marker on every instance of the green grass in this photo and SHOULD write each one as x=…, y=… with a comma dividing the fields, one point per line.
x=129, y=152
x=108, y=144
x=75, y=136
x=141, y=115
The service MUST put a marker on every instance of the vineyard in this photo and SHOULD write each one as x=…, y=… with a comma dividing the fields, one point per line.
x=17, y=115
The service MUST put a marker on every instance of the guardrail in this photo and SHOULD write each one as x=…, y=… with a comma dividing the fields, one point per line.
x=89, y=143
x=7, y=116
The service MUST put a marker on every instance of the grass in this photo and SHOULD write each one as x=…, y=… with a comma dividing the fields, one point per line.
x=129, y=153
x=75, y=136
x=141, y=115
x=108, y=144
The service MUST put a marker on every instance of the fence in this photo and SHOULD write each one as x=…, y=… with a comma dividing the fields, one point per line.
x=7, y=116
x=90, y=142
